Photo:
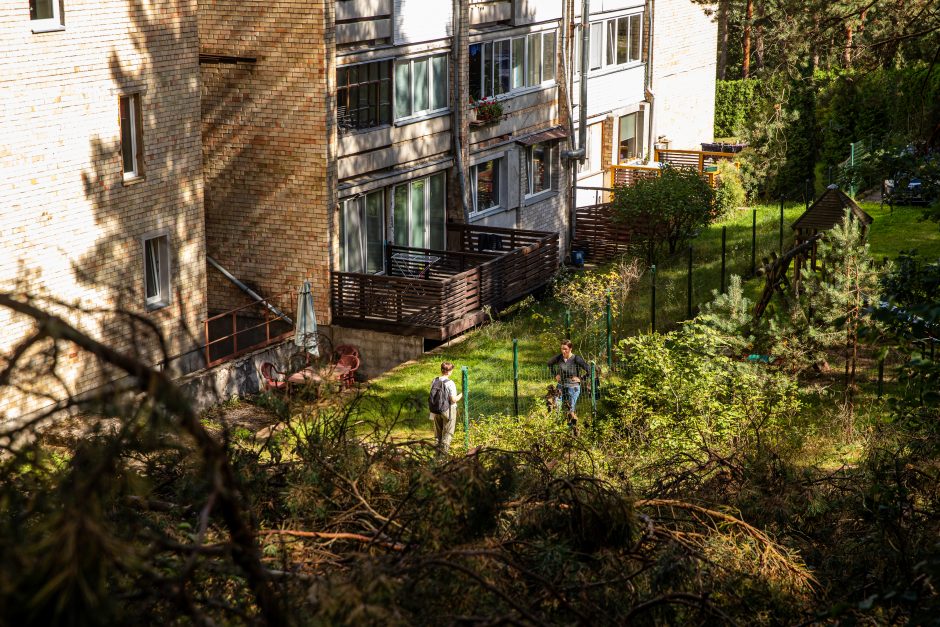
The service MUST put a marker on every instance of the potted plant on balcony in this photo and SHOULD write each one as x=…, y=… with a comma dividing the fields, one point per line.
x=486, y=111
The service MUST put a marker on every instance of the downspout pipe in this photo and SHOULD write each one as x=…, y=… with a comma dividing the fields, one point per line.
x=580, y=153
x=231, y=277
x=650, y=95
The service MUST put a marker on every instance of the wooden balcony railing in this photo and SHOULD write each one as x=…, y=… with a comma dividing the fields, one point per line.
x=704, y=162
x=599, y=233
x=437, y=294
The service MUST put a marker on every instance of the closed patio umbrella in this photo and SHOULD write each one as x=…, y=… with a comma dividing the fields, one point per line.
x=305, y=334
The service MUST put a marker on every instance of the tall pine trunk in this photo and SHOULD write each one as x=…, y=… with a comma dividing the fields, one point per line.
x=746, y=60
x=723, y=39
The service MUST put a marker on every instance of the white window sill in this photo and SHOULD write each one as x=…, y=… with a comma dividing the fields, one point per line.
x=46, y=26
x=521, y=91
x=542, y=195
x=610, y=69
x=589, y=174
x=157, y=305
x=479, y=215
x=360, y=131
x=422, y=117
x=132, y=179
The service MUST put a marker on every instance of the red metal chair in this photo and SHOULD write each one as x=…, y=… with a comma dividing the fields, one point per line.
x=273, y=378
x=345, y=349
x=344, y=370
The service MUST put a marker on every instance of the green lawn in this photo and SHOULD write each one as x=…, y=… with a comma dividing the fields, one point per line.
x=538, y=325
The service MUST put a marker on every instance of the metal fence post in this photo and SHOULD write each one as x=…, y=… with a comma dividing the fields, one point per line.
x=881, y=377
x=753, y=242
x=594, y=389
x=724, y=248
x=466, y=406
x=689, y=290
x=610, y=341
x=515, y=376
x=781, y=225
x=652, y=299
x=568, y=323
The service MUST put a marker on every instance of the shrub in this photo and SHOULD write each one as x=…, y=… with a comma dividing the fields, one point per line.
x=730, y=193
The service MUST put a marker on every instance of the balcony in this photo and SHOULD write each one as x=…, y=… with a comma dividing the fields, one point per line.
x=438, y=294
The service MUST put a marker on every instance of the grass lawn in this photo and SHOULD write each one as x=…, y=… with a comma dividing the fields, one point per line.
x=538, y=325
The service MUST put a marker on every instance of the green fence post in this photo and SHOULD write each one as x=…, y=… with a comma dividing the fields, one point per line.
x=593, y=389
x=781, y=225
x=881, y=377
x=724, y=249
x=568, y=323
x=515, y=376
x=466, y=406
x=652, y=301
x=610, y=340
x=689, y=290
x=753, y=242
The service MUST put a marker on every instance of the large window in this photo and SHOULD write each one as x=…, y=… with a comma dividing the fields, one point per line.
x=156, y=272
x=592, y=161
x=497, y=67
x=363, y=233
x=538, y=168
x=486, y=185
x=45, y=15
x=420, y=86
x=419, y=213
x=131, y=136
x=364, y=95
x=613, y=42
x=630, y=137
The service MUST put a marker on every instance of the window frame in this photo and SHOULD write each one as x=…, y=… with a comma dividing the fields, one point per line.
x=549, y=184
x=134, y=117
x=498, y=184
x=50, y=24
x=526, y=46
x=163, y=297
x=431, y=84
x=608, y=43
x=593, y=150
x=428, y=235
x=360, y=203
x=342, y=124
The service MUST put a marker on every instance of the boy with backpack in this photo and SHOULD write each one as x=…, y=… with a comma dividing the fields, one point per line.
x=442, y=402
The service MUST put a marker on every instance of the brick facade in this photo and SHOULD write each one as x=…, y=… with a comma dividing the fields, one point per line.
x=268, y=139
x=71, y=227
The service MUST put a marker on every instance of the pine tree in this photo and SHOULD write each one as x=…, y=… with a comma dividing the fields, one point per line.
x=836, y=293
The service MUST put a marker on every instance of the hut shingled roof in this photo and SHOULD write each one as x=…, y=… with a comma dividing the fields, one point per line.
x=828, y=210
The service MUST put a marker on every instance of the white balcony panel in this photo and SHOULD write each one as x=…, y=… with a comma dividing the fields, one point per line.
x=531, y=11
x=353, y=9
x=362, y=141
x=363, y=31
x=487, y=12
x=422, y=20
x=613, y=90
x=399, y=155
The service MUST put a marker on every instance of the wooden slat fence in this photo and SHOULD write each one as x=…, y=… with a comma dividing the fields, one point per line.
x=599, y=234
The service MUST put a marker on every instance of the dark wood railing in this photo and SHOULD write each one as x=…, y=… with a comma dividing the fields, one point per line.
x=599, y=234
x=445, y=292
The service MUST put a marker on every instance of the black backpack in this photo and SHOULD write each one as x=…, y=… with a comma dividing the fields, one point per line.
x=438, y=401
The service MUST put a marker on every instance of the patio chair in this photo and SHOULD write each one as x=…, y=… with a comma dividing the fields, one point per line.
x=272, y=378
x=345, y=349
x=344, y=370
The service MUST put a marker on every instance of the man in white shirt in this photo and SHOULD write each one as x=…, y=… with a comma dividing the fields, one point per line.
x=445, y=423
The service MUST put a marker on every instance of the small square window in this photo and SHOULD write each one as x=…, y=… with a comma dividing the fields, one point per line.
x=156, y=272
x=538, y=168
x=45, y=15
x=486, y=186
x=131, y=137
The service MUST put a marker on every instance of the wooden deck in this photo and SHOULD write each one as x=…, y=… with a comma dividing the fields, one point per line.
x=438, y=294
x=704, y=162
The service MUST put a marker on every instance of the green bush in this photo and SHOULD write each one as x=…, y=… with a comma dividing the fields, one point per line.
x=730, y=195
x=734, y=104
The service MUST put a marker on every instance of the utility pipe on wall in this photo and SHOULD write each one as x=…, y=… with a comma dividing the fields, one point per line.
x=580, y=153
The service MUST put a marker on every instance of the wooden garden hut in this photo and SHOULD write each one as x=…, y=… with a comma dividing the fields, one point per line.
x=821, y=216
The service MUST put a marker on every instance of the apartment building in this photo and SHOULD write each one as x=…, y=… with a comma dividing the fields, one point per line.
x=651, y=84
x=101, y=190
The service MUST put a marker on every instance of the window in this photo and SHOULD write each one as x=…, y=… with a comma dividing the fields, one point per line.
x=45, y=15
x=538, y=168
x=156, y=272
x=364, y=95
x=497, y=67
x=592, y=162
x=616, y=41
x=485, y=185
x=131, y=136
x=630, y=137
x=363, y=233
x=419, y=213
x=420, y=86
